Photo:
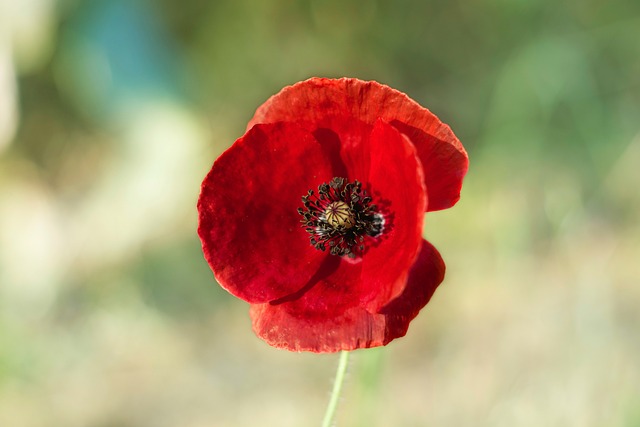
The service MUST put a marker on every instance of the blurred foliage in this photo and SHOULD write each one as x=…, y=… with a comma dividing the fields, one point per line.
x=112, y=111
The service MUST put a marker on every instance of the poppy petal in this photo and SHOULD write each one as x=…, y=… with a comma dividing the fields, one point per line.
x=287, y=324
x=248, y=221
x=315, y=101
x=425, y=276
x=386, y=161
x=396, y=179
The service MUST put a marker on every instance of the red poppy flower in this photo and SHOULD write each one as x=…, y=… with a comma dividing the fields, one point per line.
x=315, y=215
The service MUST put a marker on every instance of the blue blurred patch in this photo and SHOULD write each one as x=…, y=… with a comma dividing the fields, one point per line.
x=125, y=54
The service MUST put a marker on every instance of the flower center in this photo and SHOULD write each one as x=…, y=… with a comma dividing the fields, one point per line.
x=339, y=216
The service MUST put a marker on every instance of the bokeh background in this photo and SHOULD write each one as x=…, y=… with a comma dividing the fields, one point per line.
x=112, y=112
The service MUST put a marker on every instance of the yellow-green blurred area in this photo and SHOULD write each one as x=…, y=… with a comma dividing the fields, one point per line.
x=112, y=112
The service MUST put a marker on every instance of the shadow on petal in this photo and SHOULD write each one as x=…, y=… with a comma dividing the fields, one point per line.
x=425, y=276
x=444, y=166
x=330, y=143
x=288, y=325
x=329, y=265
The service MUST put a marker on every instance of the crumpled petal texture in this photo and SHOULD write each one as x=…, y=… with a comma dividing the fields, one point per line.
x=284, y=326
x=317, y=101
x=304, y=299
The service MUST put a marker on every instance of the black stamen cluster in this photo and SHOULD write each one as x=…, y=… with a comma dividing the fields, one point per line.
x=342, y=240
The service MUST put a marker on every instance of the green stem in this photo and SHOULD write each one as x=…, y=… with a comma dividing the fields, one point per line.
x=337, y=386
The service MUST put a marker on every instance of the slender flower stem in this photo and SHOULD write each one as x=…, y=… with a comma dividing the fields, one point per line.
x=337, y=386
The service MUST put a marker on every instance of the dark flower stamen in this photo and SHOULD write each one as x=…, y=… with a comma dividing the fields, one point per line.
x=340, y=216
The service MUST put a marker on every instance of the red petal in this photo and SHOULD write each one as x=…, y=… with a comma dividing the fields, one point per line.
x=288, y=325
x=425, y=276
x=380, y=275
x=396, y=179
x=249, y=224
x=317, y=100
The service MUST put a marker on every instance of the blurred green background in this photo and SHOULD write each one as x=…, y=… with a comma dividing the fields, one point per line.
x=112, y=112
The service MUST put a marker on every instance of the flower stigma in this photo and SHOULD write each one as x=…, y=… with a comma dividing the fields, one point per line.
x=339, y=216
